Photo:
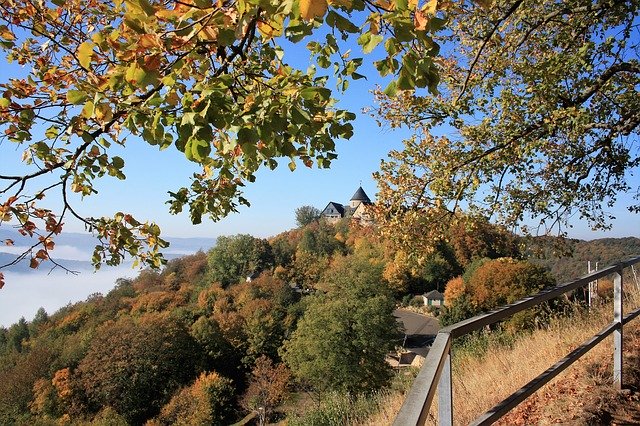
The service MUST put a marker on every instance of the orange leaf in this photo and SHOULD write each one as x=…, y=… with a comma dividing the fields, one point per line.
x=309, y=9
x=149, y=40
x=420, y=20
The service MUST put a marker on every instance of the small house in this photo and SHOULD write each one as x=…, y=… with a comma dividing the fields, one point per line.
x=433, y=298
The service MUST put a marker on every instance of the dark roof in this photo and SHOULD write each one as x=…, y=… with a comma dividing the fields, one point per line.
x=361, y=196
x=434, y=295
x=337, y=207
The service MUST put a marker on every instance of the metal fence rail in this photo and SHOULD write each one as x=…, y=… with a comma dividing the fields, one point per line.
x=436, y=370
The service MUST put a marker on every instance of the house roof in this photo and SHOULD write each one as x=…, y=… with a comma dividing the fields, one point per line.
x=337, y=206
x=360, y=195
x=434, y=295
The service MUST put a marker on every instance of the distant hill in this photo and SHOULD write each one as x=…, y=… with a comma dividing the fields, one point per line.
x=75, y=249
x=23, y=266
x=604, y=252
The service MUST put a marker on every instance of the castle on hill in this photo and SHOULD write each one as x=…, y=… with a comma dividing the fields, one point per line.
x=355, y=209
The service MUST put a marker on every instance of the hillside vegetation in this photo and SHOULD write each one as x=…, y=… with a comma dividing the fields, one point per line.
x=293, y=327
x=490, y=367
x=572, y=265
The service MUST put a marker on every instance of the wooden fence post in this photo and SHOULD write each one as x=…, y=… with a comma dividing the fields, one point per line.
x=445, y=394
x=617, y=334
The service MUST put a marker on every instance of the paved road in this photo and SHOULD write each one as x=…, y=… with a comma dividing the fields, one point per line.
x=420, y=330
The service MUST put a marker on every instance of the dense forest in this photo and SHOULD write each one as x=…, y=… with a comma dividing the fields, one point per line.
x=572, y=263
x=255, y=327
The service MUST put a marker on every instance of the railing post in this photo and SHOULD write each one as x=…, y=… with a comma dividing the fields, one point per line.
x=445, y=394
x=617, y=334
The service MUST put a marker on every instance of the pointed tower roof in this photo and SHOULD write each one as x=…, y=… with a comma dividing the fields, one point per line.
x=360, y=195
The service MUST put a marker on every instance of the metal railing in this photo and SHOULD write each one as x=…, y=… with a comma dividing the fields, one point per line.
x=436, y=370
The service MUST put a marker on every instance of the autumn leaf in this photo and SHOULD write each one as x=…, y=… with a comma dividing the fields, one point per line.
x=309, y=9
x=431, y=7
x=85, y=53
x=420, y=20
x=76, y=97
x=1, y=280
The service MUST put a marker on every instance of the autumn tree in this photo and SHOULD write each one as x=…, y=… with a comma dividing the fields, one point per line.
x=234, y=258
x=319, y=239
x=505, y=280
x=306, y=215
x=267, y=388
x=536, y=122
x=342, y=339
x=208, y=401
x=134, y=367
x=493, y=283
x=210, y=79
x=17, y=382
x=254, y=316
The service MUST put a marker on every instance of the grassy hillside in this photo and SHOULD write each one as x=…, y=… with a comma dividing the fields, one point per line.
x=486, y=370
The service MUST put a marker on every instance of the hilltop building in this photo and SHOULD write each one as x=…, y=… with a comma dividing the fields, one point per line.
x=356, y=209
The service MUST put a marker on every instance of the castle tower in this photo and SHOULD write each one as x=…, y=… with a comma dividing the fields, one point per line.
x=359, y=197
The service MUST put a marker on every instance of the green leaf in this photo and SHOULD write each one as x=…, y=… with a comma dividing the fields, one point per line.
x=391, y=89
x=117, y=162
x=52, y=132
x=340, y=22
x=4, y=103
x=76, y=97
x=310, y=93
x=88, y=109
x=369, y=41
x=146, y=7
x=197, y=149
x=247, y=136
x=85, y=53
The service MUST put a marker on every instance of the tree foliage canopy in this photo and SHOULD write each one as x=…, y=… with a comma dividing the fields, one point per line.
x=306, y=215
x=207, y=78
x=236, y=257
x=344, y=335
x=539, y=110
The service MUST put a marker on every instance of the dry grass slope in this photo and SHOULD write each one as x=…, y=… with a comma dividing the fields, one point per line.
x=581, y=395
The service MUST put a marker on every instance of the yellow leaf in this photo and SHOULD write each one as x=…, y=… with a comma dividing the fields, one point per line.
x=430, y=7
x=341, y=3
x=6, y=34
x=209, y=33
x=85, y=53
x=272, y=28
x=309, y=9
x=149, y=41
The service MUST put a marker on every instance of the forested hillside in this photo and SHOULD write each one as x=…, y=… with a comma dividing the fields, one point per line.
x=253, y=327
x=604, y=252
x=216, y=336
